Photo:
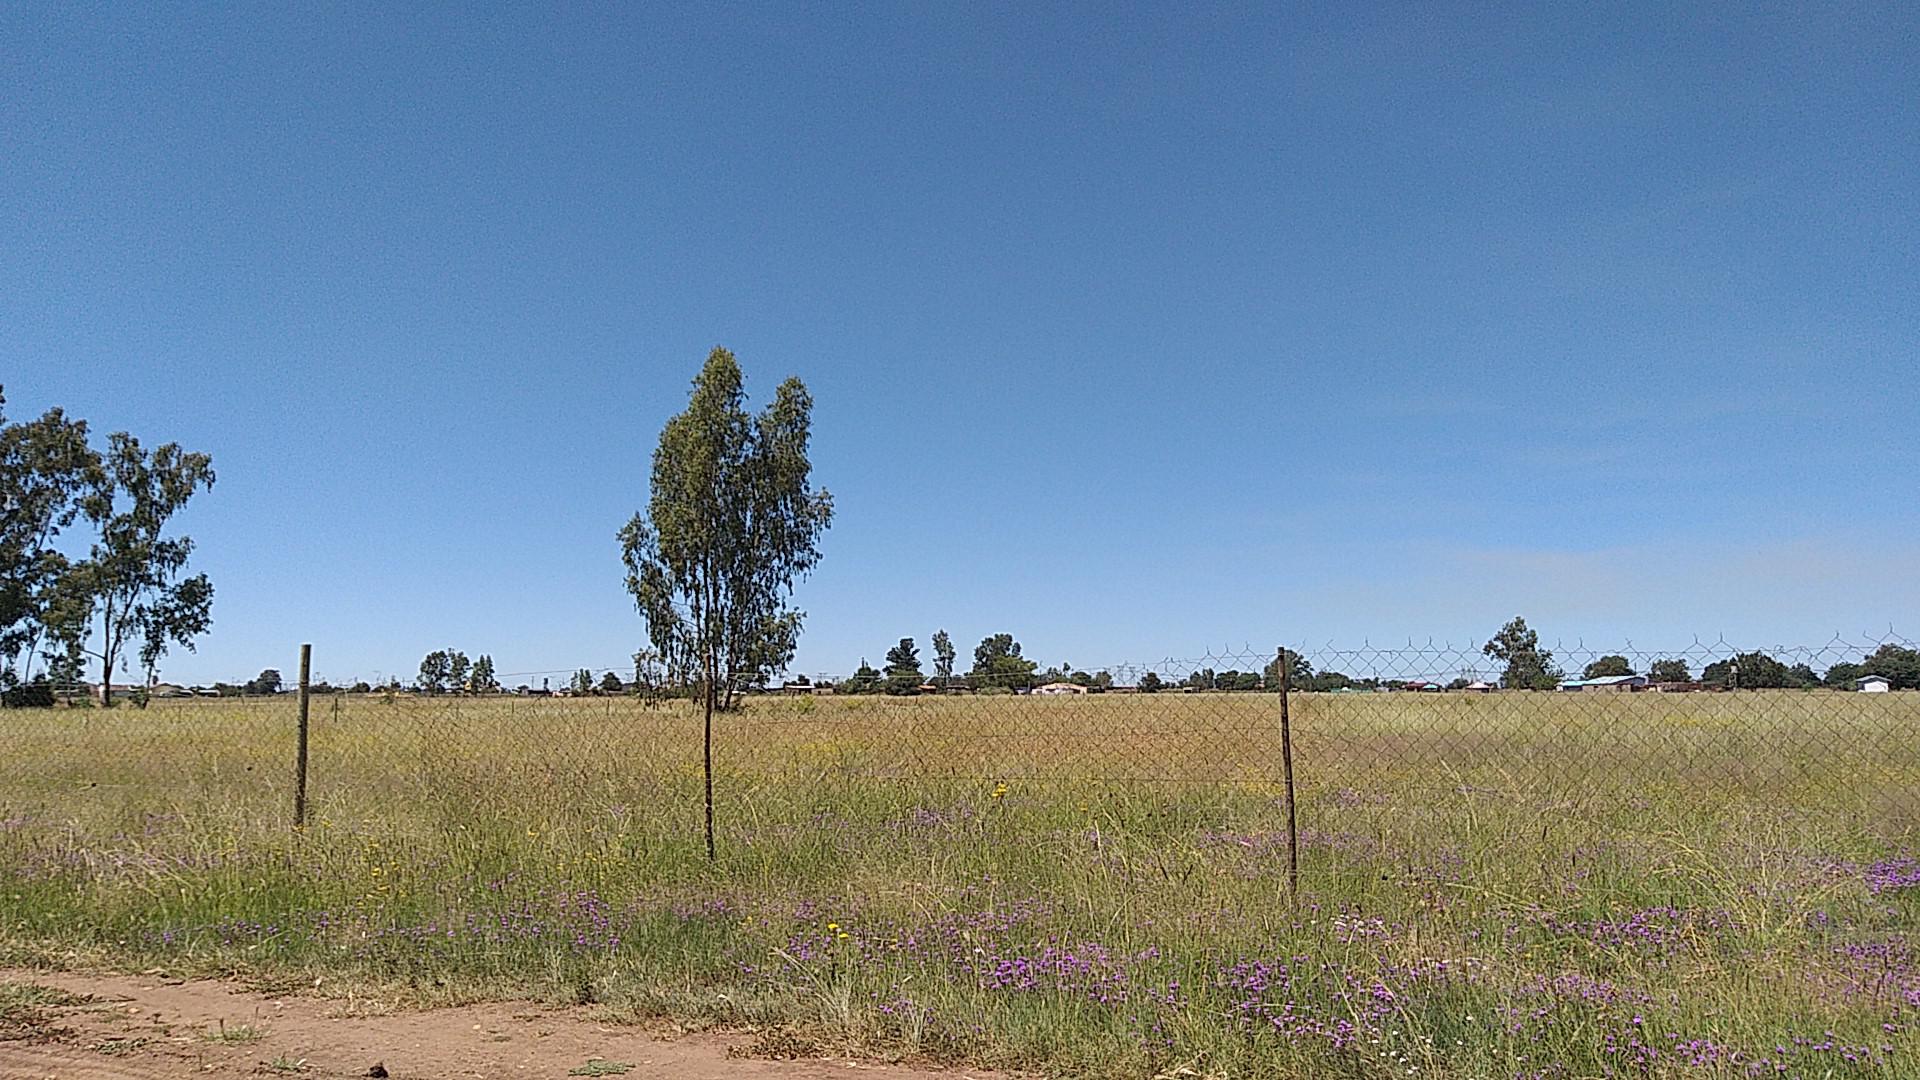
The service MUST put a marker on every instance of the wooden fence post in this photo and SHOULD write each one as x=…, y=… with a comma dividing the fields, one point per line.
x=1286, y=762
x=300, y=762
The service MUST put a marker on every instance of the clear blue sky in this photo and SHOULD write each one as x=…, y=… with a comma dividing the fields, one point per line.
x=1133, y=333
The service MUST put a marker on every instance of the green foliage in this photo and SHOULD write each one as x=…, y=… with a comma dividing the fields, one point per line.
x=943, y=658
x=267, y=682
x=47, y=468
x=1529, y=667
x=903, y=668
x=458, y=668
x=1063, y=673
x=435, y=669
x=1150, y=683
x=1844, y=675
x=1758, y=671
x=647, y=672
x=731, y=522
x=1608, y=667
x=483, y=680
x=610, y=684
x=997, y=663
x=1324, y=681
x=37, y=694
x=1208, y=679
x=1299, y=671
x=131, y=580
x=1899, y=664
x=582, y=684
x=864, y=680
x=1671, y=670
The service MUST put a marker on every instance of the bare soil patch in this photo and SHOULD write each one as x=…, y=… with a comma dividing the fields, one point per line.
x=62, y=1026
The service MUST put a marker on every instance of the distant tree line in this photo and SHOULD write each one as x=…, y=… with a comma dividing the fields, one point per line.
x=998, y=667
x=1525, y=665
x=1528, y=666
x=1898, y=664
x=444, y=671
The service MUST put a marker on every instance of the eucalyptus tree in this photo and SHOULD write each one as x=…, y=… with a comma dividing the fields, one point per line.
x=133, y=585
x=732, y=521
x=47, y=469
x=435, y=669
x=483, y=680
x=943, y=657
x=1529, y=667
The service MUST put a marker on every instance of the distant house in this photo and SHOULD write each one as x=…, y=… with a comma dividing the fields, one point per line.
x=1614, y=683
x=1482, y=687
x=1873, y=684
x=1060, y=688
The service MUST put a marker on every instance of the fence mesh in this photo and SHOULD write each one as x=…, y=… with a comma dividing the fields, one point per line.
x=1781, y=727
x=1704, y=865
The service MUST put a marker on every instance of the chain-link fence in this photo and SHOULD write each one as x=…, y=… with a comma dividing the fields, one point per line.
x=1571, y=730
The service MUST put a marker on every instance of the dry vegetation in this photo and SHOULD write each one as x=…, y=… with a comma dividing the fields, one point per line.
x=1511, y=884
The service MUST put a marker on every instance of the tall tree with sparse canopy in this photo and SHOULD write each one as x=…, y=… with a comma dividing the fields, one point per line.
x=943, y=657
x=132, y=580
x=1529, y=667
x=732, y=521
x=483, y=681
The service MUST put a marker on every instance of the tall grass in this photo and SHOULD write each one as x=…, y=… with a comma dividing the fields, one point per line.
x=1511, y=885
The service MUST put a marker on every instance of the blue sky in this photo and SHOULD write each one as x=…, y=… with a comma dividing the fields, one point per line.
x=1136, y=334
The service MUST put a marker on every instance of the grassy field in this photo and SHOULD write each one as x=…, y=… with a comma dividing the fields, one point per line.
x=1511, y=885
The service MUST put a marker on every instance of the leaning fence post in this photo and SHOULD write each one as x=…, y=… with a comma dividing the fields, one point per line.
x=300, y=761
x=1286, y=763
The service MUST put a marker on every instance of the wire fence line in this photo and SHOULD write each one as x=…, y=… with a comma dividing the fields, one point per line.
x=1833, y=728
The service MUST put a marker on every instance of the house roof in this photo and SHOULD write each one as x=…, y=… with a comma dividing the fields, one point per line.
x=1605, y=680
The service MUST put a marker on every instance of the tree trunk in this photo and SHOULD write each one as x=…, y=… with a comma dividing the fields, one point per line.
x=106, y=659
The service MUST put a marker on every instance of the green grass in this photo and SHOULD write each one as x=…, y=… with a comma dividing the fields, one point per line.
x=237, y=1035
x=1518, y=884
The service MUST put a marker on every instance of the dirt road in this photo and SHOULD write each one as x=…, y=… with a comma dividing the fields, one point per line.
x=86, y=1027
